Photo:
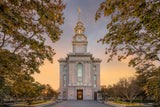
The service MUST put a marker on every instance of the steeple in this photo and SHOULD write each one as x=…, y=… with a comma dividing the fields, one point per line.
x=79, y=40
x=79, y=29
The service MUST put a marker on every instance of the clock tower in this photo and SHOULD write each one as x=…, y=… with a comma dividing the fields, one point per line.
x=79, y=41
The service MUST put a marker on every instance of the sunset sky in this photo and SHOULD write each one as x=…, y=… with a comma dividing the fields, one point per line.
x=110, y=72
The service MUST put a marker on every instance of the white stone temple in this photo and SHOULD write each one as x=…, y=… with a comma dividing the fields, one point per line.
x=79, y=71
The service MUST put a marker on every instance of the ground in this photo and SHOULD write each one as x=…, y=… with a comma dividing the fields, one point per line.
x=79, y=104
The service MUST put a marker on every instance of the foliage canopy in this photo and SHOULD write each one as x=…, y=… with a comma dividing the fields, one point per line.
x=134, y=33
x=26, y=27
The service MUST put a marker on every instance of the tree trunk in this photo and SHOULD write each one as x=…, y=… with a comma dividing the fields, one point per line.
x=158, y=103
x=130, y=100
x=1, y=99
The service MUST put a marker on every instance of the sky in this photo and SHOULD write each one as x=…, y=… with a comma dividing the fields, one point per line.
x=94, y=30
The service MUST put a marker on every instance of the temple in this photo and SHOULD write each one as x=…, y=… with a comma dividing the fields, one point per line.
x=79, y=71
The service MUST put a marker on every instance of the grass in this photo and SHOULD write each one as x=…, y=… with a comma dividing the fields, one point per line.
x=124, y=103
x=37, y=102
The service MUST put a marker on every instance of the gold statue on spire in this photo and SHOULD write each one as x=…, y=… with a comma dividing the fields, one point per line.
x=79, y=18
x=79, y=10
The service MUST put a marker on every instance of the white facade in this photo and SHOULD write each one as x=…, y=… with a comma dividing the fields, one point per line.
x=79, y=71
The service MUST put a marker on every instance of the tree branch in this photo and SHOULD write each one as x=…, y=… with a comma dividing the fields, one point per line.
x=3, y=40
x=19, y=6
x=21, y=44
x=139, y=50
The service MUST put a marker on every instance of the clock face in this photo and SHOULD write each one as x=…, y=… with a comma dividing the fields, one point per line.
x=79, y=37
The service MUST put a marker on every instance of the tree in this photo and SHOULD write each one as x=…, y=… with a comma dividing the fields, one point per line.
x=129, y=89
x=111, y=91
x=49, y=93
x=27, y=90
x=103, y=92
x=153, y=86
x=133, y=31
x=25, y=28
x=5, y=91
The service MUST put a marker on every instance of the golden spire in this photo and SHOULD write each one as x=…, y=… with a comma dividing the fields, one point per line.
x=79, y=10
x=79, y=18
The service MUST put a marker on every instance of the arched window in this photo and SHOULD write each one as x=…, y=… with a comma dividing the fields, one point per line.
x=79, y=70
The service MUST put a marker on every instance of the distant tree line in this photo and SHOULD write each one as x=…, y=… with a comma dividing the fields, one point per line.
x=126, y=89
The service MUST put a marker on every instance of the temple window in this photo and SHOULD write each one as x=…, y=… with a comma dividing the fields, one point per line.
x=95, y=77
x=64, y=80
x=79, y=70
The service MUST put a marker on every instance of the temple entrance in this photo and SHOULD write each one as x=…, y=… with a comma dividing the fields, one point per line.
x=79, y=94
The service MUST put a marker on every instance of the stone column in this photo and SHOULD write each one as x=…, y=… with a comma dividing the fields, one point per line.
x=98, y=75
x=61, y=75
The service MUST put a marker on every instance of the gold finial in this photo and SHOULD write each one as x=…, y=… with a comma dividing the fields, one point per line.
x=79, y=18
x=79, y=10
